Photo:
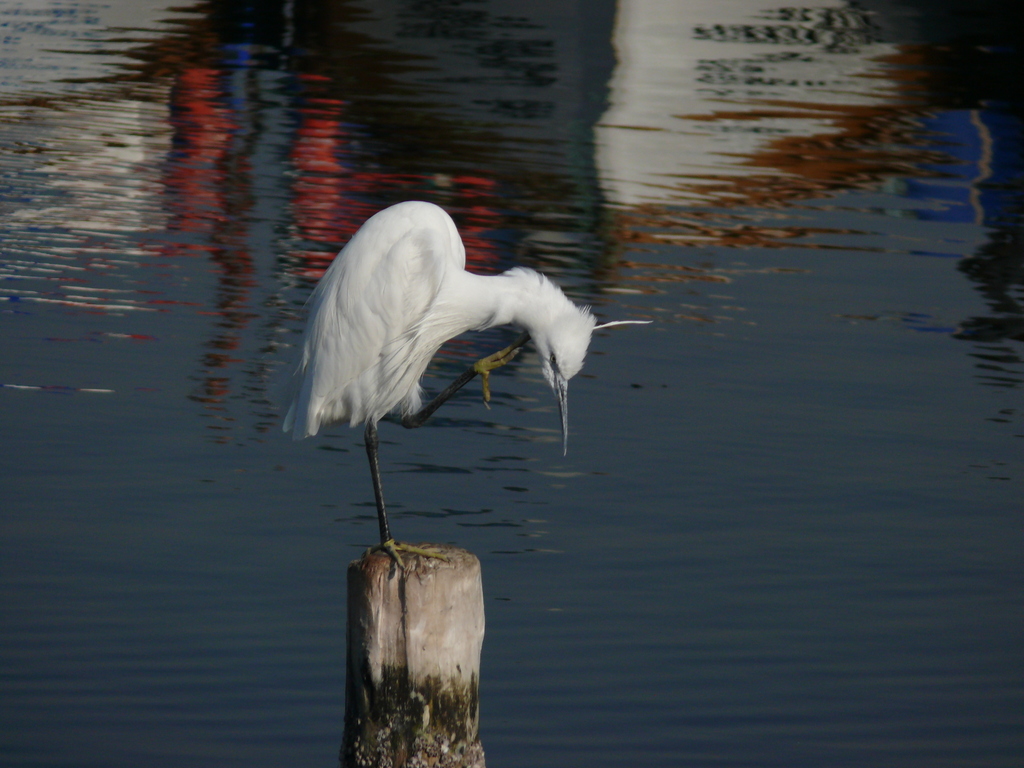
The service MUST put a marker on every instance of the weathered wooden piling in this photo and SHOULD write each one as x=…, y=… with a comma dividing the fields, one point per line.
x=414, y=641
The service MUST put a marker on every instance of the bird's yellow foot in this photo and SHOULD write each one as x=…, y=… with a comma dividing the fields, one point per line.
x=393, y=547
x=485, y=365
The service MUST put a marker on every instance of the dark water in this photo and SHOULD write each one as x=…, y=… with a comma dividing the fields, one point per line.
x=788, y=531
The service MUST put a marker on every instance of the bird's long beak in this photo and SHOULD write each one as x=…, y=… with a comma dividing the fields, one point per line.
x=562, y=391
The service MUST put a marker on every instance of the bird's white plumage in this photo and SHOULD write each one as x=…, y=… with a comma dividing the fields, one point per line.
x=364, y=311
x=395, y=293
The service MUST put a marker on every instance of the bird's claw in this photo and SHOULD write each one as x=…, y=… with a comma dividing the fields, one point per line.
x=485, y=365
x=485, y=383
x=392, y=547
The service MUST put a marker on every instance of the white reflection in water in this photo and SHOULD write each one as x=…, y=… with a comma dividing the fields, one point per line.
x=701, y=87
x=55, y=48
x=102, y=161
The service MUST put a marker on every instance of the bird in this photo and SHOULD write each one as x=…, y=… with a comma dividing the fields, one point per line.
x=392, y=296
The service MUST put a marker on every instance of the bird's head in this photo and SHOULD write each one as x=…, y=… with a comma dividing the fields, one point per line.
x=561, y=333
x=562, y=346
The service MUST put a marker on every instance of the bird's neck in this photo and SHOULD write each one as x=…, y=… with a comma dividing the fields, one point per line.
x=511, y=298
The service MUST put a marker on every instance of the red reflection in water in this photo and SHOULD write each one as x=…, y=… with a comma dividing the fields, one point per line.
x=203, y=132
x=329, y=199
x=335, y=186
x=209, y=191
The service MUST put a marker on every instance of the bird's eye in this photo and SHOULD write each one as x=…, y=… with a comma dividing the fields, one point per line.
x=553, y=361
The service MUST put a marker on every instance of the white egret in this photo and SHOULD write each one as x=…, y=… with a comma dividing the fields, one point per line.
x=395, y=293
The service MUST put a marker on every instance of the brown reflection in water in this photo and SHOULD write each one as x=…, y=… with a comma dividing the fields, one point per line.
x=869, y=145
x=651, y=223
x=866, y=145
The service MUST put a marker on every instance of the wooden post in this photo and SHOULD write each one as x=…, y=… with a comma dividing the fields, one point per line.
x=414, y=640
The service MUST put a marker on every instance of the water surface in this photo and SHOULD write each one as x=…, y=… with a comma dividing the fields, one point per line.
x=787, y=531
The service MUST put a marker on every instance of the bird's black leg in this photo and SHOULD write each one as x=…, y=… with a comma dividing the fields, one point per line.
x=370, y=438
x=387, y=543
x=483, y=367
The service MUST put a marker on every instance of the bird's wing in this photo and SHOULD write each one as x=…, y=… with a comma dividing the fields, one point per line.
x=378, y=289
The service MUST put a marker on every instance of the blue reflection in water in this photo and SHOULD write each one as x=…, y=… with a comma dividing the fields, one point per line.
x=974, y=187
